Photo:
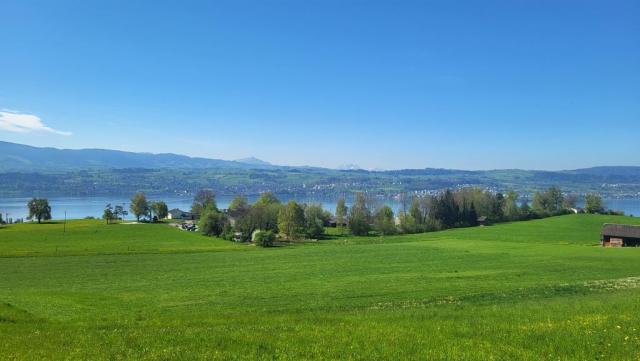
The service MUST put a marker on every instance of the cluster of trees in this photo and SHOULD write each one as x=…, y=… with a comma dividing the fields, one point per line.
x=140, y=207
x=465, y=207
x=262, y=220
x=593, y=204
x=267, y=217
x=553, y=202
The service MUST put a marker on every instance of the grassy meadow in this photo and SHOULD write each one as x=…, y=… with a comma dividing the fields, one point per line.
x=535, y=290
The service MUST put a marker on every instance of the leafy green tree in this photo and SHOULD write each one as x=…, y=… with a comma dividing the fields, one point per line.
x=416, y=213
x=446, y=209
x=108, y=214
x=468, y=215
x=426, y=203
x=359, y=216
x=160, y=209
x=119, y=212
x=139, y=205
x=239, y=204
x=259, y=216
x=291, y=220
x=510, y=208
x=540, y=202
x=497, y=206
x=39, y=209
x=266, y=199
x=384, y=221
x=549, y=202
x=212, y=221
x=204, y=199
x=593, y=203
x=556, y=197
x=341, y=212
x=315, y=220
x=407, y=222
x=264, y=238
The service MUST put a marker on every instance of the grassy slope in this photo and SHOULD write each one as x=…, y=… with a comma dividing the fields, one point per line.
x=529, y=290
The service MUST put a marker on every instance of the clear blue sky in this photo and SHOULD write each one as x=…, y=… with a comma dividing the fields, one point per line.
x=382, y=84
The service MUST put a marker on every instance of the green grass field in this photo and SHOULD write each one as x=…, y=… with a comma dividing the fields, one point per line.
x=536, y=290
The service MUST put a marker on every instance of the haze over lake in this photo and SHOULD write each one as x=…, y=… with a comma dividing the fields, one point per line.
x=81, y=207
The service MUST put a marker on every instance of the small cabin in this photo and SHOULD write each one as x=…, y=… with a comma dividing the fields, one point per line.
x=620, y=235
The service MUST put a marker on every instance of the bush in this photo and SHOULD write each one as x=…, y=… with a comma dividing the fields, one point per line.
x=264, y=238
x=213, y=223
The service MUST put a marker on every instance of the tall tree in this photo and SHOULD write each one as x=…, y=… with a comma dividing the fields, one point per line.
x=556, y=197
x=593, y=203
x=426, y=203
x=497, y=202
x=119, y=212
x=108, y=215
x=291, y=220
x=510, y=208
x=404, y=201
x=267, y=198
x=341, y=212
x=384, y=221
x=446, y=209
x=139, y=205
x=417, y=212
x=39, y=209
x=359, y=216
x=212, y=221
x=407, y=223
x=315, y=219
x=549, y=201
x=160, y=209
x=239, y=204
x=203, y=199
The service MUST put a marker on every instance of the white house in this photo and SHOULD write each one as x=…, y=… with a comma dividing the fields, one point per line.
x=179, y=214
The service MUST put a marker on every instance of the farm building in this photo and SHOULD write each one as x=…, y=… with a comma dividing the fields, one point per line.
x=333, y=222
x=179, y=214
x=620, y=235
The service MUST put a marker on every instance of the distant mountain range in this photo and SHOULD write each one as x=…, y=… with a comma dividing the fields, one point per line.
x=19, y=157
x=254, y=161
x=27, y=171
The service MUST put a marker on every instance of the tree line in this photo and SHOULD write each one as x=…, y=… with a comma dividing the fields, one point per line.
x=140, y=207
x=268, y=217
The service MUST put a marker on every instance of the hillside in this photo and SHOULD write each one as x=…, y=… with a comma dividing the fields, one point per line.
x=149, y=292
x=27, y=171
x=24, y=158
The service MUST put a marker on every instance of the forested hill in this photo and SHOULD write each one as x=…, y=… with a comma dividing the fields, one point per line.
x=28, y=171
x=21, y=158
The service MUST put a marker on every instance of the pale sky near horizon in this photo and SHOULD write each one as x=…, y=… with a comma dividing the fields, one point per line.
x=382, y=84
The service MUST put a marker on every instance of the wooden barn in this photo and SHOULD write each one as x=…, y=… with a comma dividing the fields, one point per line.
x=620, y=235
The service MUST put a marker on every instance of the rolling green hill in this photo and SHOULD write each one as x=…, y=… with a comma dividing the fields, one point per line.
x=48, y=172
x=528, y=291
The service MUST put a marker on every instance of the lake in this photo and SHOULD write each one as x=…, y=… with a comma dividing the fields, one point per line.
x=81, y=207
